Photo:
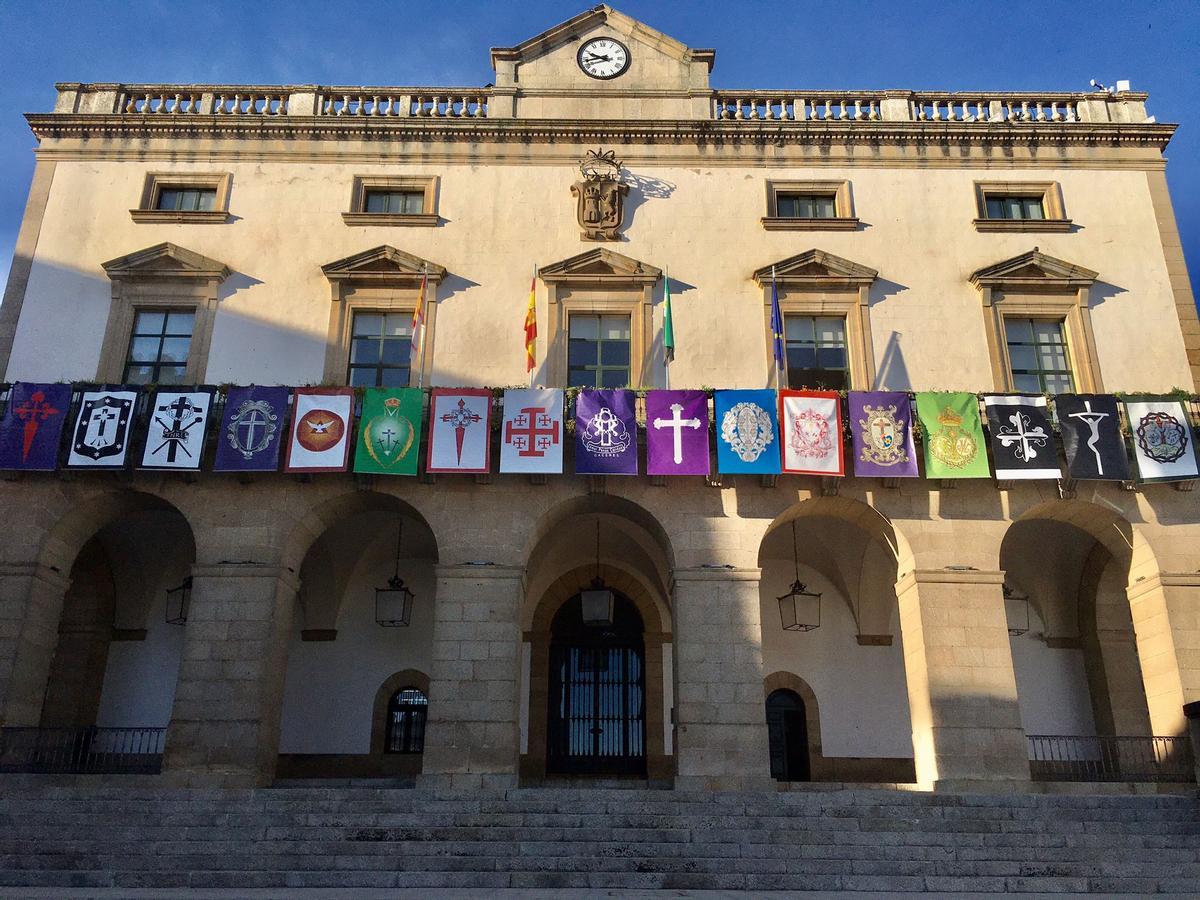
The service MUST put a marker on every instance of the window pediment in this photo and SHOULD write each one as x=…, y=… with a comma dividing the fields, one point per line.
x=165, y=260
x=384, y=265
x=1033, y=270
x=817, y=268
x=600, y=266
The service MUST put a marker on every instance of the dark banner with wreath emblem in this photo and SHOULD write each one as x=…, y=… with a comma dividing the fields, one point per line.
x=252, y=429
x=1163, y=443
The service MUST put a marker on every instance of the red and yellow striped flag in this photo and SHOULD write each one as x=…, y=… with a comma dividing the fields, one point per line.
x=531, y=326
x=418, y=321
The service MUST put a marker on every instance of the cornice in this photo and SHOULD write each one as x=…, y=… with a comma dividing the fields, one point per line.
x=696, y=132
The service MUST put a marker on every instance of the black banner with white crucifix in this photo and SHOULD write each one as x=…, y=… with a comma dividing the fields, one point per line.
x=1091, y=435
x=177, y=422
x=1022, y=440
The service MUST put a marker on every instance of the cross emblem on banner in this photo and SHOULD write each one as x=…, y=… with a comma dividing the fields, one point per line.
x=175, y=433
x=531, y=432
x=33, y=412
x=461, y=418
x=677, y=423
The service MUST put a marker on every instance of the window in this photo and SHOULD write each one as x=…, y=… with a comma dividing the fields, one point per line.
x=1019, y=206
x=392, y=200
x=406, y=722
x=380, y=348
x=816, y=352
x=806, y=206
x=809, y=206
x=186, y=199
x=159, y=347
x=194, y=197
x=999, y=207
x=397, y=202
x=598, y=351
x=1038, y=357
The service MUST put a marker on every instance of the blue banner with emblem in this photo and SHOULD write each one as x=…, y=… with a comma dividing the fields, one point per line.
x=747, y=425
x=252, y=429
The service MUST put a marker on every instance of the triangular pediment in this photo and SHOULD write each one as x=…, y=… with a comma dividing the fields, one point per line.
x=383, y=263
x=601, y=265
x=1032, y=269
x=166, y=260
x=818, y=268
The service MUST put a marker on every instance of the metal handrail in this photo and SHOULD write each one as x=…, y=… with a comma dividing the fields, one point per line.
x=1139, y=758
x=81, y=750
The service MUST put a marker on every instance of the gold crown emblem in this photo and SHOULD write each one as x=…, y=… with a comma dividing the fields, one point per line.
x=949, y=418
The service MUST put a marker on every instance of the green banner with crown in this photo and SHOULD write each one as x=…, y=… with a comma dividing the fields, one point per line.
x=389, y=432
x=954, y=445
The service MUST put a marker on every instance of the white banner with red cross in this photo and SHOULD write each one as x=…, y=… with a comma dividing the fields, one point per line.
x=531, y=435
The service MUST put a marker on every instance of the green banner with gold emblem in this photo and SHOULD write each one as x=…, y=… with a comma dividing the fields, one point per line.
x=389, y=432
x=954, y=446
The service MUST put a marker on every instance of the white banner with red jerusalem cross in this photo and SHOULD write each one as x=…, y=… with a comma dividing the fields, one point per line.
x=460, y=422
x=811, y=427
x=320, y=437
x=531, y=436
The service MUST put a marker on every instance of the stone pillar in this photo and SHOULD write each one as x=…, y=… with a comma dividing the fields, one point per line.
x=225, y=721
x=1166, y=620
x=472, y=738
x=31, y=600
x=721, y=724
x=962, y=693
x=895, y=106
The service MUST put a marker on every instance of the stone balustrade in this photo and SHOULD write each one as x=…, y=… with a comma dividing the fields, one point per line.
x=977, y=108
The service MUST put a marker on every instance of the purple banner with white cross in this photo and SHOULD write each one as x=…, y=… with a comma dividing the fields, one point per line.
x=677, y=433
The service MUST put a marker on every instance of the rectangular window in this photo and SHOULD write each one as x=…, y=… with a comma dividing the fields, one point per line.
x=1014, y=208
x=405, y=203
x=806, y=206
x=1037, y=352
x=817, y=356
x=598, y=351
x=380, y=349
x=159, y=346
x=186, y=199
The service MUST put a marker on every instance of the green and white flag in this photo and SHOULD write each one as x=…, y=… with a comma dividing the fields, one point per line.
x=954, y=446
x=668, y=334
x=389, y=432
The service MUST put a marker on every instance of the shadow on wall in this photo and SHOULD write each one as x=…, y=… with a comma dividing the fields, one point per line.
x=1101, y=292
x=641, y=189
x=892, y=374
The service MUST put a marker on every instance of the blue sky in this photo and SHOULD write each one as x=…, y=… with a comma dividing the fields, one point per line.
x=1016, y=46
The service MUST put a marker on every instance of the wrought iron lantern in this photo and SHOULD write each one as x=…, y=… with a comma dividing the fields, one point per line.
x=394, y=603
x=597, y=601
x=1016, y=611
x=178, y=600
x=799, y=608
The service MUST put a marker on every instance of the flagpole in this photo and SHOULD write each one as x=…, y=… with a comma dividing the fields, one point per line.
x=666, y=317
x=776, y=332
x=532, y=296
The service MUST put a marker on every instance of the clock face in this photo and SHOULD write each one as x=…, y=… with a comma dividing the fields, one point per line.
x=603, y=58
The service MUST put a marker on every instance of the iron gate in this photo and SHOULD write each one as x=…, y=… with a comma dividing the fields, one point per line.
x=597, y=710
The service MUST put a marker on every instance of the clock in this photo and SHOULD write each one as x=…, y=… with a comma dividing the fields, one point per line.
x=603, y=58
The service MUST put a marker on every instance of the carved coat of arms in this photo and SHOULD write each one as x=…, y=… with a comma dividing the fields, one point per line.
x=600, y=196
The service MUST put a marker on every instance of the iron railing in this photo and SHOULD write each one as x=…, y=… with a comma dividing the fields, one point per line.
x=1077, y=758
x=82, y=750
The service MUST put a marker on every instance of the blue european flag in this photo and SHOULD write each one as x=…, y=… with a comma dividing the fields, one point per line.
x=776, y=328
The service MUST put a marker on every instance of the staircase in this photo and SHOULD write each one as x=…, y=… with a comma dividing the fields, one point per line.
x=823, y=838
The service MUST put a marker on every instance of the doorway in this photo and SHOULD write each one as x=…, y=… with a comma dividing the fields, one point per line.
x=787, y=731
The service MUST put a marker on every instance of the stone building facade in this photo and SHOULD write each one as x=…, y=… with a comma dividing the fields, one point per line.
x=914, y=230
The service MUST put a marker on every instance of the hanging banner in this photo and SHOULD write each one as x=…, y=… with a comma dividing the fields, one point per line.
x=747, y=427
x=882, y=435
x=389, y=431
x=252, y=429
x=531, y=435
x=1022, y=438
x=811, y=426
x=177, y=423
x=605, y=433
x=460, y=425
x=320, y=435
x=1091, y=436
x=1163, y=441
x=953, y=435
x=100, y=437
x=31, y=430
x=677, y=433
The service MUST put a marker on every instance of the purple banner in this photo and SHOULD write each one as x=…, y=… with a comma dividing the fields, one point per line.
x=252, y=429
x=605, y=433
x=881, y=425
x=676, y=433
x=32, y=427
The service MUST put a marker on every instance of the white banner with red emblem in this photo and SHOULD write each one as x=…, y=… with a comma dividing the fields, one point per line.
x=460, y=422
x=531, y=435
x=320, y=437
x=811, y=426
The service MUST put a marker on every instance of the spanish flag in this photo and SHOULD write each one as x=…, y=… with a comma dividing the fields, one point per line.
x=418, y=321
x=531, y=326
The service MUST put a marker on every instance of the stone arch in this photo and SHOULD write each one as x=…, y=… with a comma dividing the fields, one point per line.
x=602, y=504
x=395, y=682
x=788, y=681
